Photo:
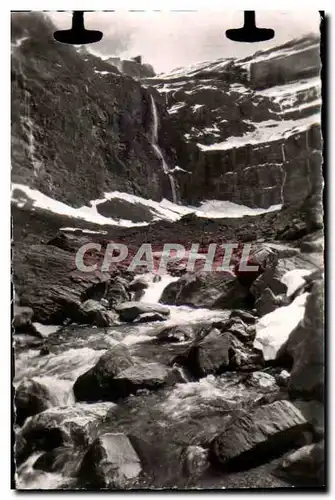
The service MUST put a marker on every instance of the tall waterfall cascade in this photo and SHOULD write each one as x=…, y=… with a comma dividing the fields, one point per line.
x=158, y=151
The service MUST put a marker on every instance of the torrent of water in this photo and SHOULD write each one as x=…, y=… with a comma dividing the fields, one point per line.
x=158, y=151
x=78, y=352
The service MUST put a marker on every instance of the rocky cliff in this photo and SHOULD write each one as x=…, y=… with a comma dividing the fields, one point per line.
x=252, y=126
x=79, y=126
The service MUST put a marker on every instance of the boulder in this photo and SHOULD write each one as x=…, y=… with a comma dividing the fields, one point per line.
x=149, y=316
x=129, y=311
x=305, y=465
x=117, y=291
x=203, y=289
x=75, y=425
x=270, y=278
x=305, y=346
x=94, y=385
x=110, y=462
x=238, y=328
x=282, y=378
x=95, y=313
x=150, y=376
x=22, y=318
x=138, y=283
x=273, y=329
x=31, y=397
x=195, y=461
x=268, y=302
x=214, y=354
x=176, y=333
x=245, y=316
x=251, y=438
x=261, y=380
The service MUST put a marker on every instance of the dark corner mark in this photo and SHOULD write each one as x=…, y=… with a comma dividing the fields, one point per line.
x=250, y=32
x=78, y=34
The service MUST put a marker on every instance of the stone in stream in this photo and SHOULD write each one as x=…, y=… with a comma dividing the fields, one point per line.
x=110, y=462
x=208, y=290
x=251, y=438
x=95, y=313
x=149, y=316
x=138, y=283
x=176, y=333
x=75, y=425
x=94, y=385
x=195, y=461
x=305, y=464
x=246, y=316
x=129, y=311
x=268, y=302
x=22, y=317
x=214, y=354
x=150, y=376
x=31, y=398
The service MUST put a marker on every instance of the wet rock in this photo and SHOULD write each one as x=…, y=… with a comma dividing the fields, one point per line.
x=31, y=398
x=110, y=462
x=305, y=345
x=245, y=316
x=213, y=354
x=117, y=291
x=63, y=459
x=305, y=464
x=314, y=413
x=268, y=302
x=151, y=376
x=282, y=378
x=250, y=438
x=149, y=316
x=176, y=333
x=210, y=290
x=71, y=425
x=195, y=461
x=94, y=385
x=129, y=311
x=273, y=329
x=22, y=317
x=270, y=278
x=138, y=283
x=312, y=246
x=238, y=328
x=262, y=380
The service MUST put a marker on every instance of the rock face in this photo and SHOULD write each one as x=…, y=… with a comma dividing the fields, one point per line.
x=250, y=438
x=306, y=463
x=218, y=290
x=306, y=347
x=129, y=311
x=110, y=462
x=31, y=397
x=237, y=118
x=94, y=385
x=109, y=115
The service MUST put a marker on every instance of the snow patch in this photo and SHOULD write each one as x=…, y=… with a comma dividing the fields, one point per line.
x=273, y=329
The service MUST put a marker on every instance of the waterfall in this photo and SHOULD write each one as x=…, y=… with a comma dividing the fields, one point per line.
x=158, y=151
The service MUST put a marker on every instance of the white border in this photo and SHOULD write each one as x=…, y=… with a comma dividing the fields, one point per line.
x=328, y=6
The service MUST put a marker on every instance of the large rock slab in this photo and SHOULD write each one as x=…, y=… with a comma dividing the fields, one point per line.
x=95, y=384
x=31, y=397
x=305, y=346
x=150, y=376
x=75, y=425
x=252, y=437
x=129, y=311
x=203, y=289
x=110, y=462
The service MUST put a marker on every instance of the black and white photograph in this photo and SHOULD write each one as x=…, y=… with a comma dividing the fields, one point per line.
x=167, y=250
